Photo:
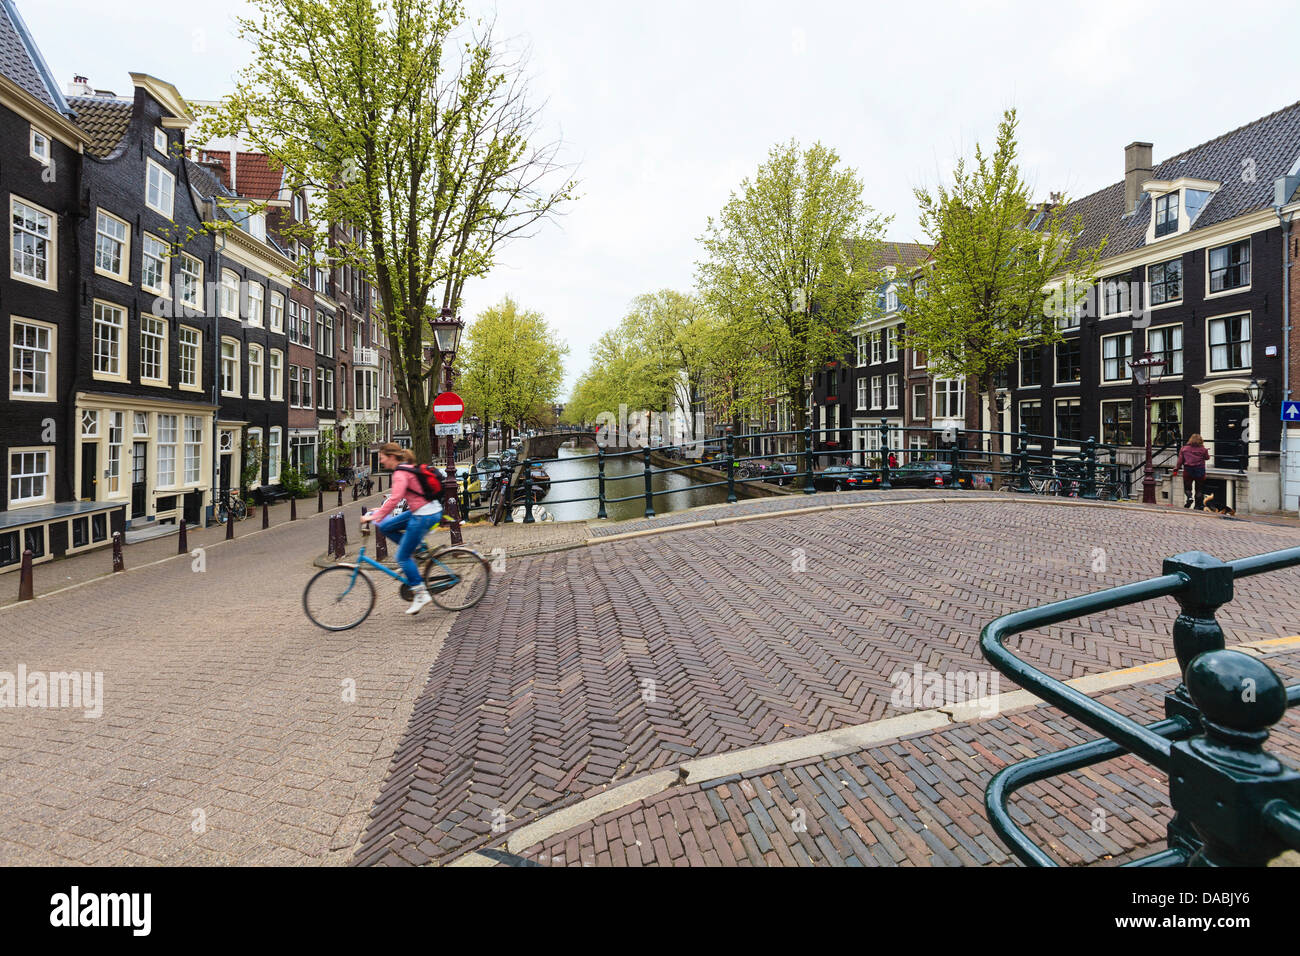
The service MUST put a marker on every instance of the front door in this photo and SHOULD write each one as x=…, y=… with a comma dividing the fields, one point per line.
x=1229, y=451
x=89, y=469
x=226, y=462
x=139, y=455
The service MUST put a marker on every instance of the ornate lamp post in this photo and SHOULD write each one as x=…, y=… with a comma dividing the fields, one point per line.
x=1146, y=371
x=446, y=335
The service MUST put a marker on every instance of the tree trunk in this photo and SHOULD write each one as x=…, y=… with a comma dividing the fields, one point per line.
x=995, y=425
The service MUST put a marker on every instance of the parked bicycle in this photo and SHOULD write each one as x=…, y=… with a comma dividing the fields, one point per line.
x=228, y=502
x=341, y=597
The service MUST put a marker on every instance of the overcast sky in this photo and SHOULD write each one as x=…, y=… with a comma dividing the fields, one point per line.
x=667, y=106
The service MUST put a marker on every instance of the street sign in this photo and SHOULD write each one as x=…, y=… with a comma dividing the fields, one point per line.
x=1291, y=411
x=453, y=428
x=447, y=408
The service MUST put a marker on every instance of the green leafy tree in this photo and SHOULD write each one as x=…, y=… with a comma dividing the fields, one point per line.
x=791, y=260
x=412, y=126
x=998, y=265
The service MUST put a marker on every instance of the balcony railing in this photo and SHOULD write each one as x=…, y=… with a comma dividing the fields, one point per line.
x=364, y=356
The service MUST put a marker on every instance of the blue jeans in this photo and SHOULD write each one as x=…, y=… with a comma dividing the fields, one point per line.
x=408, y=530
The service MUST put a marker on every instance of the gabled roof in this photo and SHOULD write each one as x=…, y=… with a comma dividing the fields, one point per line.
x=255, y=176
x=104, y=120
x=21, y=60
x=905, y=255
x=1246, y=161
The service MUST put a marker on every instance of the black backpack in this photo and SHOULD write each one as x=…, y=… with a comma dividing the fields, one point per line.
x=428, y=480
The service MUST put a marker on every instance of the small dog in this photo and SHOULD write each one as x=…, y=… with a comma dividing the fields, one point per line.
x=1208, y=505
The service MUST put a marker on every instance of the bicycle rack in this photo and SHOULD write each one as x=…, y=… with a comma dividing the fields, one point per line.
x=1234, y=803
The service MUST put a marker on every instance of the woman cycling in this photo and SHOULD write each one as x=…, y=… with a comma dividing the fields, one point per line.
x=409, y=527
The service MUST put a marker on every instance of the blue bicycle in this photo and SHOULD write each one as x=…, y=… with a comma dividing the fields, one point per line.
x=341, y=597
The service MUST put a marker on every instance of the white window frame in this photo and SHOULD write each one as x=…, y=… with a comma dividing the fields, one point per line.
x=1211, y=372
x=255, y=371
x=161, y=289
x=274, y=440
x=104, y=217
x=877, y=351
x=195, y=301
x=101, y=308
x=229, y=303
x=187, y=444
x=256, y=303
x=1124, y=281
x=1056, y=363
x=877, y=391
x=136, y=430
x=1166, y=373
x=275, y=367
x=891, y=390
x=90, y=416
x=36, y=154
x=1124, y=375
x=161, y=377
x=166, y=178
x=14, y=503
x=233, y=377
x=160, y=444
x=891, y=344
x=946, y=388
x=116, y=422
x=1101, y=420
x=1250, y=268
x=197, y=346
x=863, y=386
x=919, y=394
x=160, y=140
x=275, y=312
x=51, y=331
x=51, y=244
x=1070, y=443
x=859, y=349
x=1152, y=305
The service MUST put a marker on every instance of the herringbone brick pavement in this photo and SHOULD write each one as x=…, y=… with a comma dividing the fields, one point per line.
x=594, y=666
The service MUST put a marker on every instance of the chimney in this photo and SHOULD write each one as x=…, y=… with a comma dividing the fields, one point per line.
x=80, y=86
x=1137, y=170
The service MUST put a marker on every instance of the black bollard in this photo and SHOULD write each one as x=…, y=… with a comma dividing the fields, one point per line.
x=183, y=540
x=230, y=524
x=320, y=499
x=333, y=545
x=119, y=564
x=25, y=581
x=343, y=526
x=381, y=546
x=266, y=515
x=293, y=509
x=356, y=490
x=341, y=539
x=340, y=496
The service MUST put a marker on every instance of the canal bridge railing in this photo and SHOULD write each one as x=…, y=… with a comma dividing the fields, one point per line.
x=1234, y=803
x=1089, y=470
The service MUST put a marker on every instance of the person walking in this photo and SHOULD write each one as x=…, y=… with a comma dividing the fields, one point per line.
x=408, y=528
x=1191, y=461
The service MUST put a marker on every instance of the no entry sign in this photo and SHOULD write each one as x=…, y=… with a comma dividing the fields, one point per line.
x=448, y=408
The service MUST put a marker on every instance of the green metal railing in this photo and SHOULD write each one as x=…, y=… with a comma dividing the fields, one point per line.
x=1234, y=803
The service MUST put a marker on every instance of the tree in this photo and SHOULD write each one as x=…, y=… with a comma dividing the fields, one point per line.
x=996, y=258
x=415, y=129
x=512, y=363
x=791, y=261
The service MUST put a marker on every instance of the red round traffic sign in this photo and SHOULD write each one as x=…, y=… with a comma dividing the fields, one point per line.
x=448, y=408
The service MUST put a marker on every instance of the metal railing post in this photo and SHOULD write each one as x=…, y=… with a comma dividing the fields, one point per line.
x=1022, y=464
x=1114, y=473
x=956, y=458
x=649, y=486
x=731, y=468
x=528, y=492
x=1090, y=461
x=808, y=486
x=884, y=455
x=600, y=476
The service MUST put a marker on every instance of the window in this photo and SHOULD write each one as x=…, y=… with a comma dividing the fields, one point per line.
x=109, y=322
x=166, y=451
x=1166, y=342
x=253, y=451
x=293, y=387
x=1196, y=200
x=141, y=429
x=1166, y=281
x=153, y=265
x=229, y=367
x=1230, y=343
x=1117, y=423
x=1115, y=296
x=918, y=359
x=1068, y=367
x=891, y=345
x=877, y=392
x=256, y=297
x=276, y=368
x=29, y=476
x=1166, y=214
x=160, y=141
x=304, y=385
x=273, y=456
x=190, y=341
x=32, y=240
x=859, y=346
x=193, y=448
x=31, y=360
x=40, y=146
x=153, y=348
x=320, y=331
x=891, y=391
x=276, y=313
x=189, y=282
x=949, y=398
x=1031, y=367
x=1069, y=420
x=229, y=294
x=1167, y=422
x=116, y=425
x=159, y=190
x=320, y=387
x=1230, y=266
x=876, y=352
x=254, y=371
x=1116, y=351
x=862, y=392
x=112, y=253
x=89, y=423
x=299, y=208
x=919, y=407
x=1031, y=417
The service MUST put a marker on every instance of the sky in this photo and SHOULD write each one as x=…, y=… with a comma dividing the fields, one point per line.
x=665, y=108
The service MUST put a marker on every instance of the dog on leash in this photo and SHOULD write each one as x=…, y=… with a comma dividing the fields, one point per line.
x=1209, y=505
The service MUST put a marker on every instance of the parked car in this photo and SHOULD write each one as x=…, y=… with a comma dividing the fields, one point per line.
x=833, y=478
x=784, y=472
x=862, y=478
x=927, y=474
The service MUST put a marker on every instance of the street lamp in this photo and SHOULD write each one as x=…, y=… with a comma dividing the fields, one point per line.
x=1255, y=392
x=1146, y=371
x=446, y=335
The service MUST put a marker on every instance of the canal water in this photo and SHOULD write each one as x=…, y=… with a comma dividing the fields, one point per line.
x=623, y=476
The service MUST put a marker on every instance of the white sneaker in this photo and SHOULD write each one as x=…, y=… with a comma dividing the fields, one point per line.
x=420, y=597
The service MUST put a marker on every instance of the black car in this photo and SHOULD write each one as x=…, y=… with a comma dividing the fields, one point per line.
x=862, y=478
x=927, y=474
x=783, y=472
x=834, y=478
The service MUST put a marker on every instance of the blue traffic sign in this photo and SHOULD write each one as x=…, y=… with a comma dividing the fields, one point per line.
x=1291, y=411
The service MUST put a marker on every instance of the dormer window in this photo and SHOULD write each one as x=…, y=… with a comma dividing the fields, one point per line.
x=1166, y=214
x=160, y=141
x=40, y=146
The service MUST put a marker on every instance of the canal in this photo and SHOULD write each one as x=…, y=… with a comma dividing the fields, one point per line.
x=623, y=476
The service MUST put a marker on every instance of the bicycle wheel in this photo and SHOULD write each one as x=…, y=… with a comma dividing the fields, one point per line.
x=334, y=601
x=241, y=509
x=457, y=578
x=497, y=506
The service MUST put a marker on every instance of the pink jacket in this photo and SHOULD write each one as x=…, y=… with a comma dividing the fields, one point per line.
x=404, y=486
x=1193, y=456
